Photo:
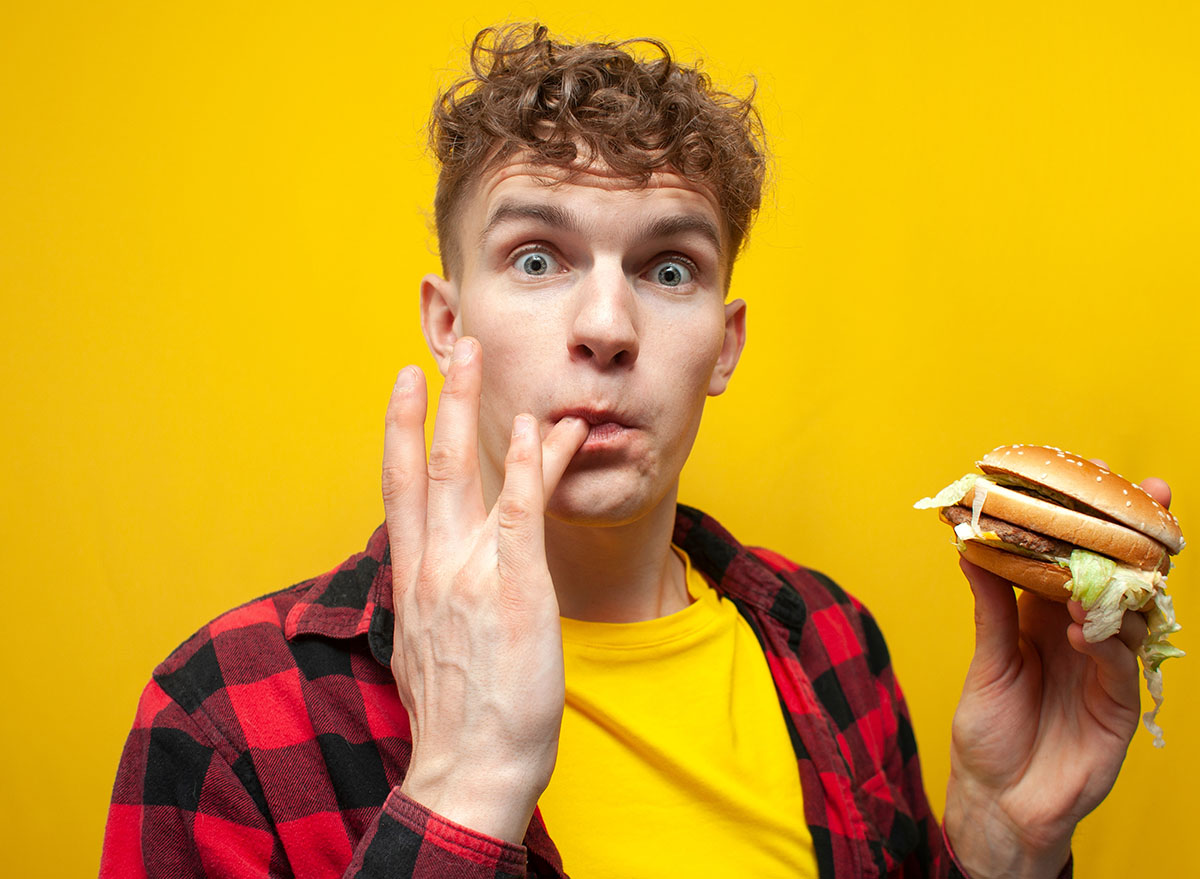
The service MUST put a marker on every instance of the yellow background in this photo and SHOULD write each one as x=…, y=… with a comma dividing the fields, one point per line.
x=983, y=229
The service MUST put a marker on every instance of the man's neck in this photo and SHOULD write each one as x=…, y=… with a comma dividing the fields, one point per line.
x=617, y=574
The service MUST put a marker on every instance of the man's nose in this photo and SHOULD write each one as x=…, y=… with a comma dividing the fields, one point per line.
x=605, y=323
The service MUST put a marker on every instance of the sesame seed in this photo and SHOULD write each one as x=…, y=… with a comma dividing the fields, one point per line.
x=1129, y=503
x=1099, y=478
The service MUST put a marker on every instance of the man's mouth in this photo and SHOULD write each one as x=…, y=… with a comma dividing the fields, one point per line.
x=606, y=428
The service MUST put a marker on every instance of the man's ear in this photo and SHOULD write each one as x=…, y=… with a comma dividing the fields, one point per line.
x=731, y=347
x=439, y=317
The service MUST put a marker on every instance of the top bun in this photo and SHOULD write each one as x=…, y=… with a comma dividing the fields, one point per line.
x=1089, y=484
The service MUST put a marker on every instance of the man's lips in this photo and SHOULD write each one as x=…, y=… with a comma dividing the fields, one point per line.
x=606, y=427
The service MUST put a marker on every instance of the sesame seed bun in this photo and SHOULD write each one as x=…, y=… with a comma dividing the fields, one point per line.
x=1108, y=494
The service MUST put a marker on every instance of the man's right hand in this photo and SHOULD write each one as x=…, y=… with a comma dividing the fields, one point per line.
x=477, y=654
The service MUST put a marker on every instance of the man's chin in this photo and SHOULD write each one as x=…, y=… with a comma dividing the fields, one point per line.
x=603, y=503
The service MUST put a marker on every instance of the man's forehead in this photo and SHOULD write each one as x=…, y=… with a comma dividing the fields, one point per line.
x=518, y=178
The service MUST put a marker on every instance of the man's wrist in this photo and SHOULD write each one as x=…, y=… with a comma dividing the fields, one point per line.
x=987, y=842
x=497, y=802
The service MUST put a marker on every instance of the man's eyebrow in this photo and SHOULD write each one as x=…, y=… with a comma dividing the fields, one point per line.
x=556, y=217
x=683, y=224
x=548, y=215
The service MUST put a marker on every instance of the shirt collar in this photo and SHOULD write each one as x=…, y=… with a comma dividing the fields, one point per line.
x=356, y=597
x=341, y=603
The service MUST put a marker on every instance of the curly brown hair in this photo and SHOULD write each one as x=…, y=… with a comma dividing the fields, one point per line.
x=570, y=105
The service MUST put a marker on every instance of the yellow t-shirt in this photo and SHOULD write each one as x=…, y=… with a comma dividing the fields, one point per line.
x=674, y=758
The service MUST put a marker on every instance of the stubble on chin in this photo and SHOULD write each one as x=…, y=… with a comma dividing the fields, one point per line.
x=597, y=499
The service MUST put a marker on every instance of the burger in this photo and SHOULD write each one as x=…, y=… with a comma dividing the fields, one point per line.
x=1066, y=528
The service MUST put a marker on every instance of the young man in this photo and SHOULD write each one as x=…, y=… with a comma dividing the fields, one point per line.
x=542, y=665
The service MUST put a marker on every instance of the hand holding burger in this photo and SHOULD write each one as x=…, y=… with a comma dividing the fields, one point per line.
x=1064, y=527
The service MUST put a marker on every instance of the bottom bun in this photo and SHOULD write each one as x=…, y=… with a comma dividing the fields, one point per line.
x=1045, y=578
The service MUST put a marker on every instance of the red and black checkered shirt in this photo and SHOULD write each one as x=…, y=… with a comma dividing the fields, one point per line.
x=273, y=742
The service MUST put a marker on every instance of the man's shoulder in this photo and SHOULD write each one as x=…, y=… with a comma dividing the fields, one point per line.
x=819, y=592
x=828, y=625
x=762, y=577
x=810, y=582
x=274, y=633
x=838, y=616
x=249, y=625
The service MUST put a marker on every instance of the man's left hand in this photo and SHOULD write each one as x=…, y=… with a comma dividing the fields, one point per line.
x=1041, y=729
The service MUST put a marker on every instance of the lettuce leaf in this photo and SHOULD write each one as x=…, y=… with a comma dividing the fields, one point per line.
x=1155, y=649
x=948, y=496
x=1106, y=590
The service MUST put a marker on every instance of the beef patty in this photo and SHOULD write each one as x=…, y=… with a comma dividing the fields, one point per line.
x=1012, y=534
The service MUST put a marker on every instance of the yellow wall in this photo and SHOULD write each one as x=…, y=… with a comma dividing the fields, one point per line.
x=983, y=229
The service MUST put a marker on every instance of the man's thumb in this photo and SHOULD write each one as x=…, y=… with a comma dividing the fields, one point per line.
x=996, y=622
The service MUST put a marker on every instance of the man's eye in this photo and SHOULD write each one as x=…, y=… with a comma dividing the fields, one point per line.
x=536, y=263
x=672, y=273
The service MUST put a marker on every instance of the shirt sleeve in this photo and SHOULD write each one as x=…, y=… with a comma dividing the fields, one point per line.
x=929, y=856
x=182, y=808
x=410, y=840
x=932, y=856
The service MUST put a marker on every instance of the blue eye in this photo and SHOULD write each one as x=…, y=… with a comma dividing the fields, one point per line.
x=672, y=273
x=536, y=263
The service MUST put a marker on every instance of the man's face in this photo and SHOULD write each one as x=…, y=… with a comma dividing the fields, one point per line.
x=593, y=297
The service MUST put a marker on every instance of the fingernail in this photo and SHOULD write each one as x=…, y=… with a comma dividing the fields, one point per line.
x=463, y=349
x=521, y=426
x=406, y=380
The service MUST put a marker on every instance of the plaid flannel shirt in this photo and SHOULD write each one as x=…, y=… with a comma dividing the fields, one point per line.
x=273, y=742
